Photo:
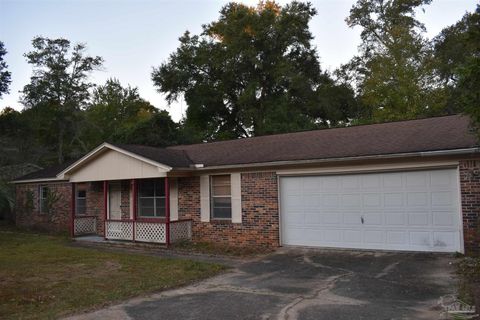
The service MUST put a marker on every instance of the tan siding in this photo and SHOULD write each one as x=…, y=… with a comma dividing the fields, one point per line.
x=113, y=165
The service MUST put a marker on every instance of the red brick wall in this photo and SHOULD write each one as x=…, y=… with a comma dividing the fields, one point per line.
x=95, y=203
x=260, y=219
x=28, y=213
x=470, y=190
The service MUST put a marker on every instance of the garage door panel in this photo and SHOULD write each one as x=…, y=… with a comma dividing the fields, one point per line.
x=415, y=210
x=375, y=219
x=415, y=199
x=444, y=219
x=442, y=198
x=393, y=199
x=372, y=200
x=396, y=237
x=352, y=236
x=416, y=219
x=416, y=179
x=351, y=200
x=374, y=237
x=395, y=219
x=444, y=239
x=392, y=180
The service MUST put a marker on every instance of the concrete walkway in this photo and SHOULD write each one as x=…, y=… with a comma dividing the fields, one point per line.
x=306, y=284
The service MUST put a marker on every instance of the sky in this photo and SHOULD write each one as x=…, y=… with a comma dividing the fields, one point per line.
x=135, y=36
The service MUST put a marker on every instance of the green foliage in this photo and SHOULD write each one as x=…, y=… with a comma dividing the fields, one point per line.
x=58, y=90
x=113, y=111
x=29, y=203
x=6, y=199
x=457, y=50
x=394, y=71
x=50, y=200
x=159, y=130
x=253, y=72
x=5, y=75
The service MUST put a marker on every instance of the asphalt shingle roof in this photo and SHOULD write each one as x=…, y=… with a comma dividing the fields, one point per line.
x=422, y=135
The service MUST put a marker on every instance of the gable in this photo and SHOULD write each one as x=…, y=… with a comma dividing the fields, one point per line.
x=115, y=165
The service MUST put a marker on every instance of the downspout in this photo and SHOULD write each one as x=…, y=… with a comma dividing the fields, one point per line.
x=72, y=212
x=167, y=212
x=134, y=199
x=105, y=207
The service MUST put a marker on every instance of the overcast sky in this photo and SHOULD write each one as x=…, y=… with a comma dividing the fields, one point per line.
x=134, y=36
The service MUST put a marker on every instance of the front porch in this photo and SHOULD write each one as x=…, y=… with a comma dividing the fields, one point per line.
x=136, y=210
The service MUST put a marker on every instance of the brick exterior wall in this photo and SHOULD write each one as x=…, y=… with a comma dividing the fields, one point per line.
x=260, y=212
x=27, y=207
x=260, y=219
x=470, y=193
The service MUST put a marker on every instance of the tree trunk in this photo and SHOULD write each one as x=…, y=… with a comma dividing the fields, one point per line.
x=61, y=134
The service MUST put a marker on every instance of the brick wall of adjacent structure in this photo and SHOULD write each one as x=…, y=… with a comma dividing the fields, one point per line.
x=470, y=193
x=260, y=219
x=28, y=213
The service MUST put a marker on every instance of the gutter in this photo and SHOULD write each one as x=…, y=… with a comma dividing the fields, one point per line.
x=38, y=180
x=343, y=159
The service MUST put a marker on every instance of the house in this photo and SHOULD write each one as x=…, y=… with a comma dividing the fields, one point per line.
x=407, y=185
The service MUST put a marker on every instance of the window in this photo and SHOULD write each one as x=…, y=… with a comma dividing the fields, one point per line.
x=221, y=199
x=81, y=207
x=151, y=198
x=43, y=199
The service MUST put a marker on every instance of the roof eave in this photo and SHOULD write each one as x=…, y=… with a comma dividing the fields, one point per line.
x=345, y=159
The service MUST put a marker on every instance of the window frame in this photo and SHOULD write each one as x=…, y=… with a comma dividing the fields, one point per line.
x=42, y=199
x=212, y=197
x=77, y=197
x=154, y=197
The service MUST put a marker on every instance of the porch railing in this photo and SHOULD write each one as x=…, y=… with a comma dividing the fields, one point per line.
x=147, y=231
x=84, y=225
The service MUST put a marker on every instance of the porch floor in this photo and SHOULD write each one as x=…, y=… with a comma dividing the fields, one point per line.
x=90, y=238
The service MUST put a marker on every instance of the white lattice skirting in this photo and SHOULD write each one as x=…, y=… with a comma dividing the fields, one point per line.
x=119, y=230
x=148, y=231
x=84, y=225
x=180, y=230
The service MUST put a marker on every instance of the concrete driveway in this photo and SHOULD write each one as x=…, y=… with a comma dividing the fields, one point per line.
x=307, y=284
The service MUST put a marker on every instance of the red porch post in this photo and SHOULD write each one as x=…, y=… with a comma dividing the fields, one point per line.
x=134, y=199
x=167, y=212
x=72, y=212
x=105, y=208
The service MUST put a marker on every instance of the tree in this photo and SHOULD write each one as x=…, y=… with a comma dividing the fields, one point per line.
x=5, y=75
x=252, y=72
x=158, y=131
x=59, y=90
x=115, y=110
x=394, y=71
x=457, y=50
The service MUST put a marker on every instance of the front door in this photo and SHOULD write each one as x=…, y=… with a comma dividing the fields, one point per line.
x=115, y=201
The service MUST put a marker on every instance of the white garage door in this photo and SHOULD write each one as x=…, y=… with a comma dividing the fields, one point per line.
x=416, y=210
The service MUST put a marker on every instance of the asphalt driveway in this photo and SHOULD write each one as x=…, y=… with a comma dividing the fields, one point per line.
x=307, y=284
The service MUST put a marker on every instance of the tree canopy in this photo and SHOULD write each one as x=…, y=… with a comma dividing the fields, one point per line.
x=457, y=50
x=5, y=75
x=59, y=88
x=253, y=71
x=394, y=71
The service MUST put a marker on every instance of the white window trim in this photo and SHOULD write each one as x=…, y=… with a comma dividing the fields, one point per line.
x=212, y=196
x=155, y=216
x=41, y=199
x=76, y=202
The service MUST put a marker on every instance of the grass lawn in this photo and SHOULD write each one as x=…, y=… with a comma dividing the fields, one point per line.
x=42, y=277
